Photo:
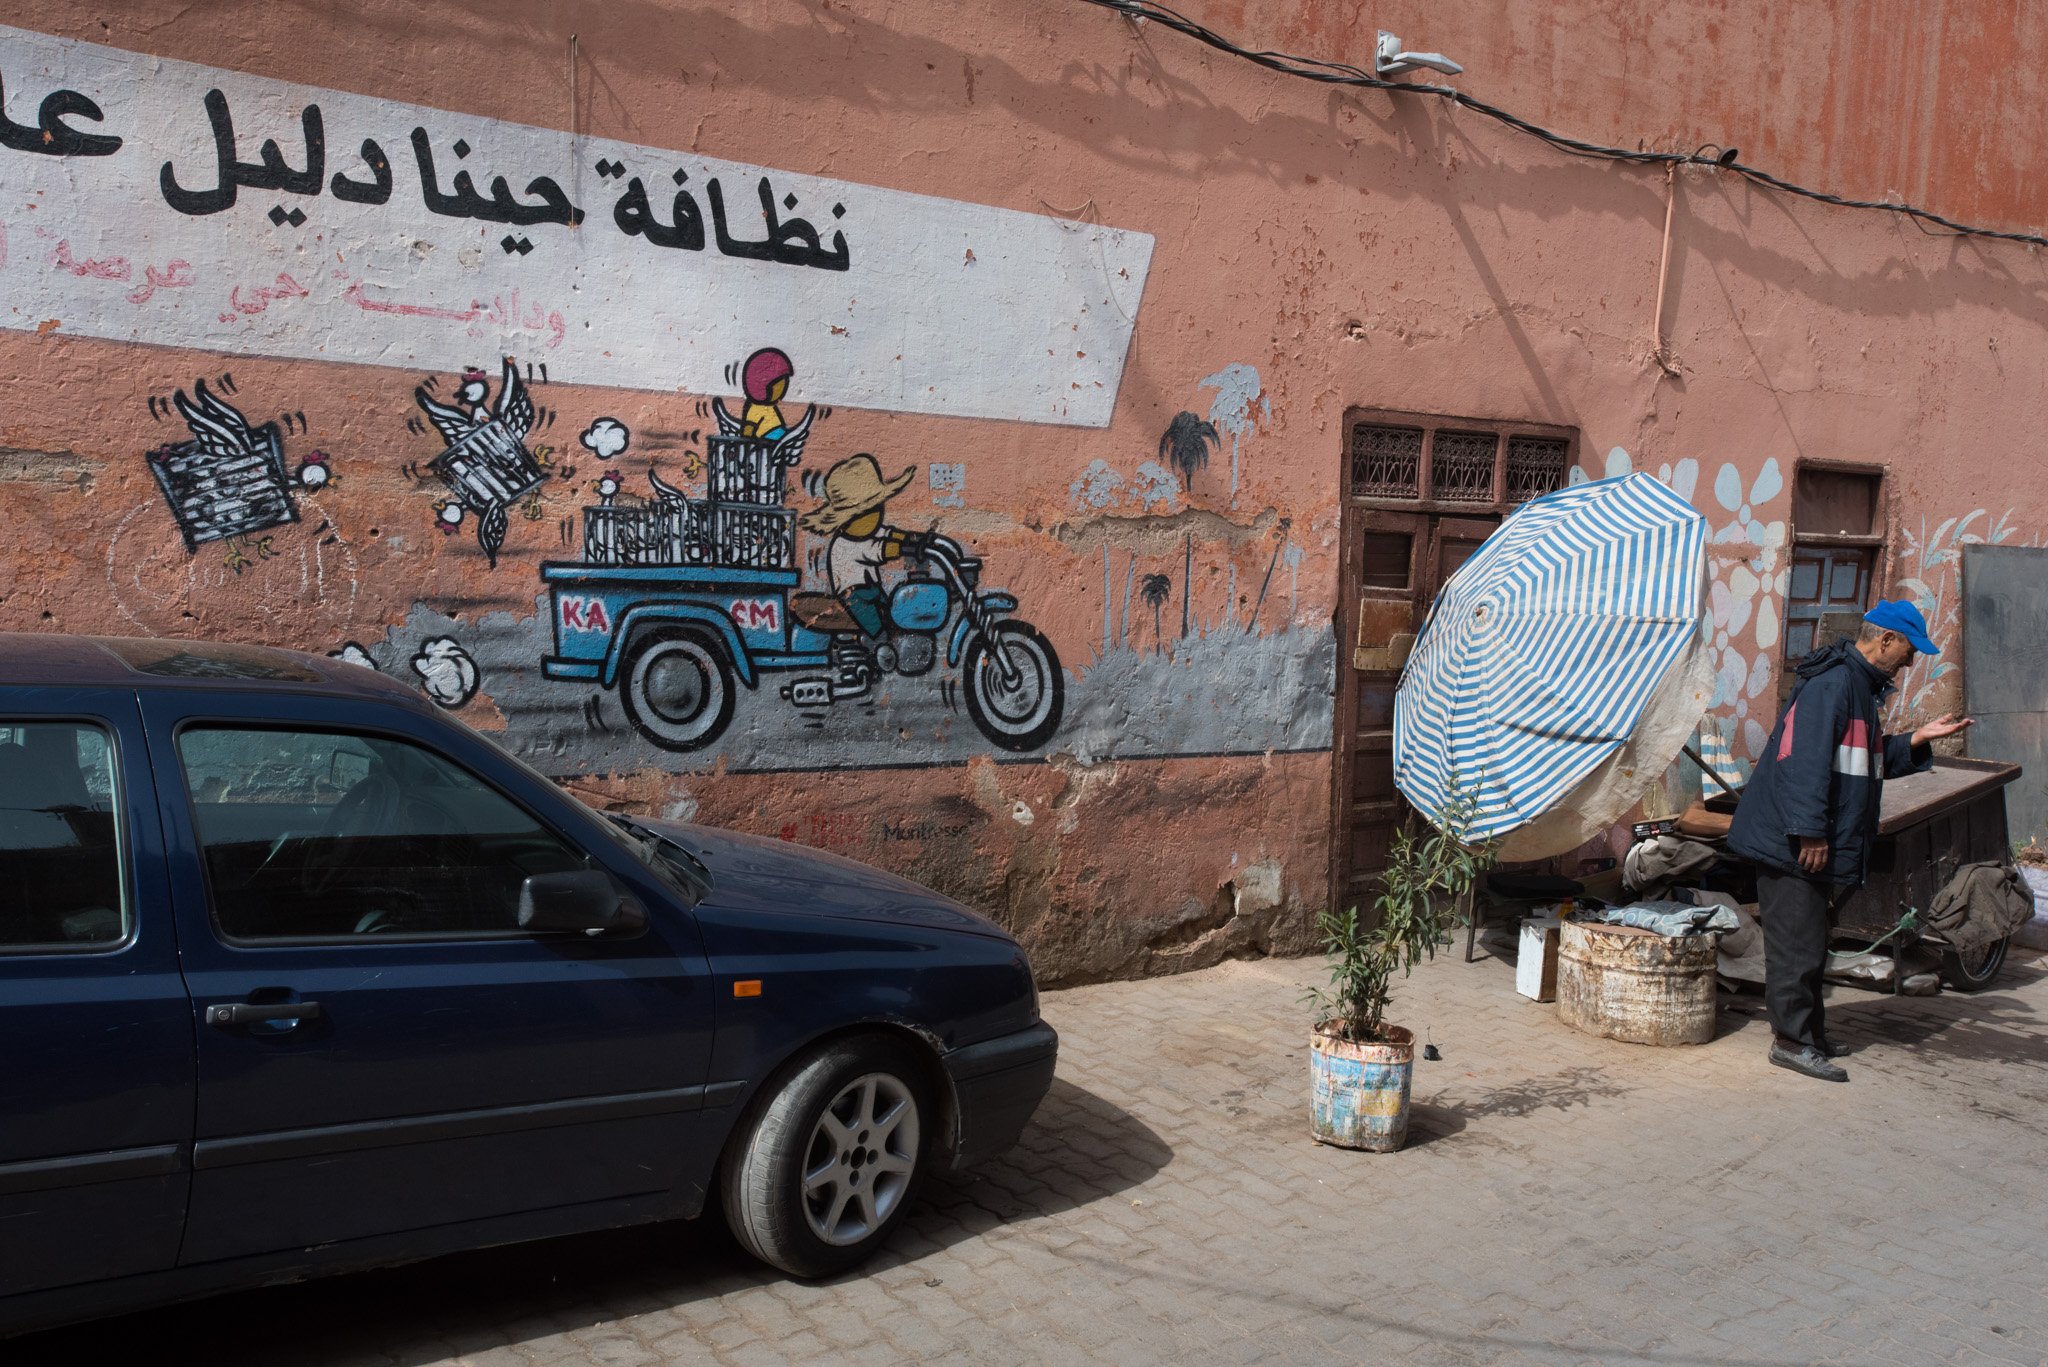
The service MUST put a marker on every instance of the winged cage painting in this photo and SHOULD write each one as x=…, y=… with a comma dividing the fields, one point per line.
x=486, y=465
x=229, y=481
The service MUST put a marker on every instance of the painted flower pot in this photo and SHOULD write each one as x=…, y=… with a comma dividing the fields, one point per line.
x=1358, y=1093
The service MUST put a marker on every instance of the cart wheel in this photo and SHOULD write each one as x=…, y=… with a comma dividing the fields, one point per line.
x=678, y=690
x=1974, y=972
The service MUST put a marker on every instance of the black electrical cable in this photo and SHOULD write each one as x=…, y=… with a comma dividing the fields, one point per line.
x=1343, y=73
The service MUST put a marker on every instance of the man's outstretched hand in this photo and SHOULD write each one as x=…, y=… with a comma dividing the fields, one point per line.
x=1813, y=853
x=1942, y=727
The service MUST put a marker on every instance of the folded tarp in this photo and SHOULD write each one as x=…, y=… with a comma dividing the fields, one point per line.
x=1666, y=918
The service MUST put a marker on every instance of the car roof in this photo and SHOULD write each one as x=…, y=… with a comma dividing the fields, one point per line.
x=60, y=660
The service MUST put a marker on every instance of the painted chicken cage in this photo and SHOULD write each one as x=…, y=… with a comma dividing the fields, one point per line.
x=214, y=497
x=488, y=467
x=754, y=538
x=746, y=470
x=671, y=532
x=692, y=531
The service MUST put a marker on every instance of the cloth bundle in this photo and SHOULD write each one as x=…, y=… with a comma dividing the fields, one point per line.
x=1665, y=918
x=1654, y=865
x=1982, y=904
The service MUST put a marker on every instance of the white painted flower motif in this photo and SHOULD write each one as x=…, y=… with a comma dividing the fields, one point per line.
x=1746, y=587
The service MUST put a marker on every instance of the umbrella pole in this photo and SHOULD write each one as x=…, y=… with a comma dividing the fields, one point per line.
x=1708, y=770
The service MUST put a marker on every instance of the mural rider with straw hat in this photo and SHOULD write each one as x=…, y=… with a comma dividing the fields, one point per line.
x=855, y=496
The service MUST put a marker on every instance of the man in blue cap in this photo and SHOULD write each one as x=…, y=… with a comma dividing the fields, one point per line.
x=1810, y=810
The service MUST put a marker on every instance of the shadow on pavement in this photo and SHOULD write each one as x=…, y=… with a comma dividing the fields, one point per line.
x=1078, y=1149
x=1988, y=1027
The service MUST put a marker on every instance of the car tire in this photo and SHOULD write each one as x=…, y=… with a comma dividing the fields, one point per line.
x=824, y=1167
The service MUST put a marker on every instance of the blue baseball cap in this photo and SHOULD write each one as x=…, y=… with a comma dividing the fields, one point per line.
x=1901, y=616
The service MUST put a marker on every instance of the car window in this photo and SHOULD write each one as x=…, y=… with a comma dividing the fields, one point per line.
x=60, y=843
x=327, y=835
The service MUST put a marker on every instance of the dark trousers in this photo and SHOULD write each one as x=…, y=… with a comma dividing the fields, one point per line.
x=1796, y=913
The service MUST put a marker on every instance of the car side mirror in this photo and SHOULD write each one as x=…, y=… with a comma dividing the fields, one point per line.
x=585, y=900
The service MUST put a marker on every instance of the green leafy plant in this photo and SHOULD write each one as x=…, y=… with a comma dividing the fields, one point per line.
x=1422, y=895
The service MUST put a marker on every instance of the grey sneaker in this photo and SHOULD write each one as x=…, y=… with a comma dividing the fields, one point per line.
x=1810, y=1061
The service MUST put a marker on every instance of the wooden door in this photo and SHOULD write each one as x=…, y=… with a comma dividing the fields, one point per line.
x=1452, y=540
x=1393, y=566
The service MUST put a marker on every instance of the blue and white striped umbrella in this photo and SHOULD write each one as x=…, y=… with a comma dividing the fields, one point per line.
x=1540, y=655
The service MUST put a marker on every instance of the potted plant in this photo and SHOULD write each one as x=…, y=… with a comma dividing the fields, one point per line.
x=1360, y=1067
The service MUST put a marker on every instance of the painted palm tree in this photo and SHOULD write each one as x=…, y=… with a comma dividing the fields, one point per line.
x=1186, y=443
x=1156, y=589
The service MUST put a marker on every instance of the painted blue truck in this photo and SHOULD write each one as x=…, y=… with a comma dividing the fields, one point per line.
x=677, y=641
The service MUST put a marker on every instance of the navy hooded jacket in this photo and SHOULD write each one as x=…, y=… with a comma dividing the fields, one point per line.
x=1821, y=771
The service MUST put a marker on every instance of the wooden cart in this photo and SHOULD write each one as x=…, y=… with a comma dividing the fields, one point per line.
x=1930, y=824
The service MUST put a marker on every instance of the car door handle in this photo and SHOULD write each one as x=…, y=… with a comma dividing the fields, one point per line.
x=284, y=1015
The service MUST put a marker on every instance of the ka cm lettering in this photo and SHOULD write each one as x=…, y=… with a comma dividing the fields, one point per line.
x=585, y=614
x=757, y=613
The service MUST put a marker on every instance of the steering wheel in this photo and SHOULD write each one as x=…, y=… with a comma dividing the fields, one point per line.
x=392, y=910
x=365, y=809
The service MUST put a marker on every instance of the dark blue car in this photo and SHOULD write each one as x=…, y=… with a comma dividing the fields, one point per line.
x=298, y=974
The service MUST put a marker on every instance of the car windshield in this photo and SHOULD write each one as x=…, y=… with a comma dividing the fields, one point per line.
x=665, y=856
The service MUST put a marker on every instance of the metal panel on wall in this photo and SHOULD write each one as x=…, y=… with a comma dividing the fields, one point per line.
x=2005, y=671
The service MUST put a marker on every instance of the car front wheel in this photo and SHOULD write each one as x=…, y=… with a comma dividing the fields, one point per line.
x=825, y=1168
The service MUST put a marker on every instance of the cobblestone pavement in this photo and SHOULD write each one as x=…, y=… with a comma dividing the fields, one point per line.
x=1562, y=1198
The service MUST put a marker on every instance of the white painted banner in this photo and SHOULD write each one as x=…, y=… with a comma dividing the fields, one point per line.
x=213, y=209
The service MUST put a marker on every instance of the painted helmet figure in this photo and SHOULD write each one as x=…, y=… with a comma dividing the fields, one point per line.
x=313, y=472
x=447, y=515
x=475, y=385
x=765, y=380
x=608, y=485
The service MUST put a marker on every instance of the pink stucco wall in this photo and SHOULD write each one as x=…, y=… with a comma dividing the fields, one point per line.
x=1315, y=250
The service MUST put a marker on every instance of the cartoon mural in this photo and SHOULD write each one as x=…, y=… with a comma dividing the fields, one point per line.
x=681, y=601
x=230, y=482
x=448, y=674
x=486, y=465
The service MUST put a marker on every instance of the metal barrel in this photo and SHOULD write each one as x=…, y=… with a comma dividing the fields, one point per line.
x=1636, y=985
x=1358, y=1093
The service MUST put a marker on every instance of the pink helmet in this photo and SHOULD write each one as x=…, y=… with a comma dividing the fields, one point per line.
x=762, y=370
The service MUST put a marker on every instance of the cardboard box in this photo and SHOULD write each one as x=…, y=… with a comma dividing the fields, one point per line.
x=1536, y=964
